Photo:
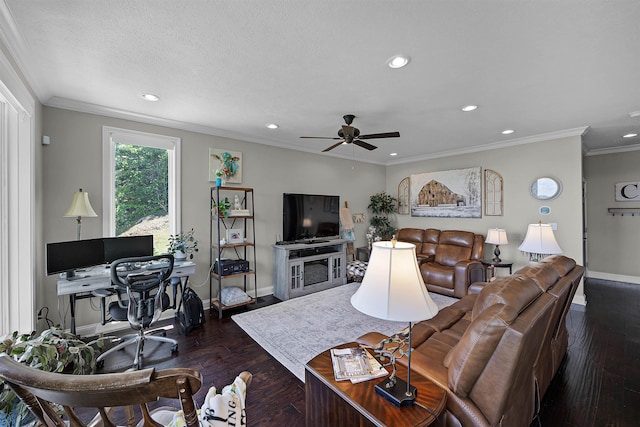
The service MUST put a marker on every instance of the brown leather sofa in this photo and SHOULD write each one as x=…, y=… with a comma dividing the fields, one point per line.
x=497, y=349
x=449, y=260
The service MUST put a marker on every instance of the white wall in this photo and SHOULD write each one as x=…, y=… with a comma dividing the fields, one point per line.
x=519, y=165
x=613, y=241
x=73, y=160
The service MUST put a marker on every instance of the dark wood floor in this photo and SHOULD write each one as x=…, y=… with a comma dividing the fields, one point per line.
x=598, y=383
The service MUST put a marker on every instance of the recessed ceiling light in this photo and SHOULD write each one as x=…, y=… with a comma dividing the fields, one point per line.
x=630, y=135
x=272, y=126
x=150, y=97
x=398, y=61
x=508, y=131
x=469, y=108
x=393, y=154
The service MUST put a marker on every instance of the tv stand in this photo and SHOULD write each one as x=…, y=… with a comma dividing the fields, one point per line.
x=304, y=268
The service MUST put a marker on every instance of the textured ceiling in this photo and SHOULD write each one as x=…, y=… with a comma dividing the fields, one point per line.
x=229, y=67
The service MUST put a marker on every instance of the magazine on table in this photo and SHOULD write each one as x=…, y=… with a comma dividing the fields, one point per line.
x=355, y=364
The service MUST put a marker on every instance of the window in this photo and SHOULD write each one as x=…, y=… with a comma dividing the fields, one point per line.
x=141, y=185
x=18, y=254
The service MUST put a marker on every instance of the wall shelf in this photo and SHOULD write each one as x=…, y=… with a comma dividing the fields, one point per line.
x=624, y=211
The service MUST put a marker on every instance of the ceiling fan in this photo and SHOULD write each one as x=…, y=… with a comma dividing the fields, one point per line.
x=348, y=134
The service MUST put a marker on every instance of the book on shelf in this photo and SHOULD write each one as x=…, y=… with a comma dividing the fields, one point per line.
x=355, y=364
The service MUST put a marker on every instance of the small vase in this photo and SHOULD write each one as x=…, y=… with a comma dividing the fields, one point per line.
x=179, y=256
x=218, y=182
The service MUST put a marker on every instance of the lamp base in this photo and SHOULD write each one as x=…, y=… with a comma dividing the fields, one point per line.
x=496, y=252
x=397, y=393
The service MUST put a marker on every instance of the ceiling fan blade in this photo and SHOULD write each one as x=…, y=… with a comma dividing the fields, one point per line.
x=333, y=146
x=364, y=144
x=381, y=135
x=320, y=137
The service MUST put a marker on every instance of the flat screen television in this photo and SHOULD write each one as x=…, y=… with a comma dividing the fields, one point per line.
x=126, y=247
x=67, y=257
x=308, y=217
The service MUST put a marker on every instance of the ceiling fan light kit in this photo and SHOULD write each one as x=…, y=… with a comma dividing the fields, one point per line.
x=351, y=135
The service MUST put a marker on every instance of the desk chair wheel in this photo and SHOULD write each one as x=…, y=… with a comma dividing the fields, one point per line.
x=174, y=348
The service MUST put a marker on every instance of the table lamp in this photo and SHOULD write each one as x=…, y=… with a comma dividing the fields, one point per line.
x=80, y=207
x=497, y=236
x=393, y=289
x=539, y=242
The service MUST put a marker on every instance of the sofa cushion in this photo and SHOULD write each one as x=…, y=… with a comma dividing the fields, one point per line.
x=430, y=240
x=411, y=235
x=561, y=264
x=543, y=274
x=454, y=246
x=514, y=291
x=469, y=357
x=438, y=274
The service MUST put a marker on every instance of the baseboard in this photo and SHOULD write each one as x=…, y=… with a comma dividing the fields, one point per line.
x=613, y=277
x=111, y=327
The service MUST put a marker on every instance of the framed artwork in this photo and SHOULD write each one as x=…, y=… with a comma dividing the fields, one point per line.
x=493, y=193
x=453, y=193
x=226, y=163
x=235, y=235
x=403, y=196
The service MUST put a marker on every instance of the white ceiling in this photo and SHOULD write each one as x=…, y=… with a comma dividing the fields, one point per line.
x=229, y=67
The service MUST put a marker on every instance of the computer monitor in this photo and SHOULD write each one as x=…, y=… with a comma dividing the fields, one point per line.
x=67, y=257
x=126, y=247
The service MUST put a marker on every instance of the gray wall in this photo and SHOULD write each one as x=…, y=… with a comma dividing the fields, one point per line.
x=74, y=160
x=519, y=166
x=613, y=241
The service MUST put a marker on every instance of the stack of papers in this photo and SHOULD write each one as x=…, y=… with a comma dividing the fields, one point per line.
x=355, y=364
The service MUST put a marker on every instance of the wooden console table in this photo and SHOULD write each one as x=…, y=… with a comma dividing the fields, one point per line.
x=332, y=403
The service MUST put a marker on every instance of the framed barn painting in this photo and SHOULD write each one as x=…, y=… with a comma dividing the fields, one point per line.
x=453, y=193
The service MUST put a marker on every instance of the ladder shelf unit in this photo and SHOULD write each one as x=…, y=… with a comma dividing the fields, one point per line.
x=244, y=249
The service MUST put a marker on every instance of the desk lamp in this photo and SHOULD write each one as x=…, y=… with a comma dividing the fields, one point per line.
x=393, y=289
x=80, y=207
x=539, y=242
x=497, y=236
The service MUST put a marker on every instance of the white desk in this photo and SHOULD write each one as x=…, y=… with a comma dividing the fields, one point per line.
x=99, y=277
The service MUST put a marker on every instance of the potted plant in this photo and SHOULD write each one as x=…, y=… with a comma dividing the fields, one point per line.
x=54, y=350
x=223, y=208
x=382, y=205
x=183, y=245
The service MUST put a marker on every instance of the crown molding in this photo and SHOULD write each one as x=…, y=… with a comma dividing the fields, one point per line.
x=17, y=48
x=613, y=150
x=83, y=107
x=579, y=131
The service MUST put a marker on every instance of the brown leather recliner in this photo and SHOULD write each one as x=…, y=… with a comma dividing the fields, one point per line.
x=449, y=260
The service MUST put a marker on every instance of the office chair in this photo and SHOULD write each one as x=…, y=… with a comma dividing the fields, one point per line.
x=144, y=287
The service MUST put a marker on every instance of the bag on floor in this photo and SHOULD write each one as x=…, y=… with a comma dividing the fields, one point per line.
x=190, y=312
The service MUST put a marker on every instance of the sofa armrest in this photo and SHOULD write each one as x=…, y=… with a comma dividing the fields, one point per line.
x=465, y=273
x=476, y=287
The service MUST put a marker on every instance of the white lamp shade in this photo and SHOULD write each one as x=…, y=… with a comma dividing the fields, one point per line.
x=392, y=287
x=80, y=205
x=496, y=236
x=540, y=240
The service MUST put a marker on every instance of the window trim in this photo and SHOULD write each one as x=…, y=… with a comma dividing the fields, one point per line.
x=170, y=143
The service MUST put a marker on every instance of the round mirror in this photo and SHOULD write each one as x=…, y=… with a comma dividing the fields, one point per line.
x=546, y=188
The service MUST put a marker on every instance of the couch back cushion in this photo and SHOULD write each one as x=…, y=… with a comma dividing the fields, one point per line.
x=454, y=246
x=430, y=239
x=515, y=290
x=544, y=275
x=560, y=263
x=411, y=235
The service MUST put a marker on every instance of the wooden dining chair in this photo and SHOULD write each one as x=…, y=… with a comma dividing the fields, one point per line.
x=39, y=389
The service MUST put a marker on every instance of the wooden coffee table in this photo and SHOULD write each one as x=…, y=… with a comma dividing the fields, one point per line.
x=332, y=403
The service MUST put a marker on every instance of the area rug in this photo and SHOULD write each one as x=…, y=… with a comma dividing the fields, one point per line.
x=297, y=330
